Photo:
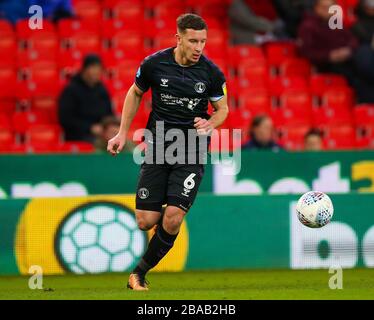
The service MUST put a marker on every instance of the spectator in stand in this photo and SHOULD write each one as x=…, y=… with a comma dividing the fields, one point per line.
x=364, y=56
x=111, y=126
x=330, y=50
x=333, y=50
x=364, y=27
x=292, y=12
x=250, y=26
x=313, y=140
x=85, y=102
x=262, y=135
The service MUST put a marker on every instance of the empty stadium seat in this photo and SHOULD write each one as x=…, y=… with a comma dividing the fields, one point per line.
x=331, y=116
x=338, y=98
x=43, y=137
x=123, y=9
x=363, y=114
x=6, y=138
x=253, y=68
x=339, y=137
x=24, y=32
x=319, y=83
x=279, y=85
x=66, y=28
x=242, y=52
x=257, y=100
x=295, y=67
x=7, y=81
x=24, y=120
x=365, y=136
x=292, y=137
x=88, y=10
x=278, y=52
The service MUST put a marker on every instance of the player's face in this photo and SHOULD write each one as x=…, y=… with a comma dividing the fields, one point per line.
x=192, y=43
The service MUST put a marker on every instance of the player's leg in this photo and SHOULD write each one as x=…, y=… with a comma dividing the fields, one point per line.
x=150, y=196
x=183, y=184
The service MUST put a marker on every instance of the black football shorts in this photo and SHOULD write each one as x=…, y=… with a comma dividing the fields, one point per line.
x=174, y=185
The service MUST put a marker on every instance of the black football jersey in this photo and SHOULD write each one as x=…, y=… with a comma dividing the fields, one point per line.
x=179, y=93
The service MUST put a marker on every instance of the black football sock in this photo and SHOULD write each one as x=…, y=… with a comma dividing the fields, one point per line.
x=158, y=247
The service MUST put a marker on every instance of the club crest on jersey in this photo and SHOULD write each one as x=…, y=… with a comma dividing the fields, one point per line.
x=200, y=87
x=164, y=82
x=143, y=193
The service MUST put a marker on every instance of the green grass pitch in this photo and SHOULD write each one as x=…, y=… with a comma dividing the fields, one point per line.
x=195, y=285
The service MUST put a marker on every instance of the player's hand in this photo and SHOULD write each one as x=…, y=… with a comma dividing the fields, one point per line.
x=203, y=126
x=115, y=145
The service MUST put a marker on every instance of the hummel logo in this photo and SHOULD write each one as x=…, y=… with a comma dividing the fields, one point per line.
x=164, y=82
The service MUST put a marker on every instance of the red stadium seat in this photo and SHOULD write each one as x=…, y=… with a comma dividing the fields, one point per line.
x=253, y=68
x=365, y=137
x=331, y=116
x=5, y=27
x=319, y=83
x=338, y=98
x=24, y=31
x=339, y=137
x=242, y=52
x=255, y=100
x=292, y=137
x=278, y=52
x=363, y=114
x=88, y=10
x=43, y=137
x=295, y=67
x=47, y=105
x=114, y=57
x=123, y=10
x=7, y=81
x=164, y=9
x=6, y=138
x=85, y=42
x=8, y=46
x=128, y=42
x=41, y=47
x=295, y=98
x=5, y=120
x=288, y=116
x=7, y=105
x=75, y=147
x=24, y=120
x=66, y=28
x=278, y=85
x=111, y=28
x=152, y=27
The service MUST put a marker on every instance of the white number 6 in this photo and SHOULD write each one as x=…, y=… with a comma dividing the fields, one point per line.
x=189, y=183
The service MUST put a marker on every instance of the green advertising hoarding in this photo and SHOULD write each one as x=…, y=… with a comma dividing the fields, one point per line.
x=99, y=234
x=253, y=173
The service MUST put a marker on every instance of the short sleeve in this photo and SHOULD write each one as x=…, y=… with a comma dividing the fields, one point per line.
x=218, y=87
x=142, y=78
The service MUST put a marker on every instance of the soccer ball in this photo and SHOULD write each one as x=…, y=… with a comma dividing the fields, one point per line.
x=314, y=209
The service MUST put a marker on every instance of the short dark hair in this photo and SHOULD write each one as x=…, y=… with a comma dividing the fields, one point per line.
x=191, y=21
x=258, y=120
x=91, y=59
x=313, y=132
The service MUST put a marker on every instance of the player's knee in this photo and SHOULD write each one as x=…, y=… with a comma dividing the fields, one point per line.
x=173, y=219
x=143, y=224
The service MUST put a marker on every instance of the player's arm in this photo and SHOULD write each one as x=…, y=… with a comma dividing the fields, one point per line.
x=130, y=107
x=204, y=126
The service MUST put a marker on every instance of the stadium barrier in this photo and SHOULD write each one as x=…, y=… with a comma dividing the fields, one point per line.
x=95, y=234
x=260, y=172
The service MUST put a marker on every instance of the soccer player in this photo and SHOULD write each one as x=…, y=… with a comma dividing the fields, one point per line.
x=183, y=81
